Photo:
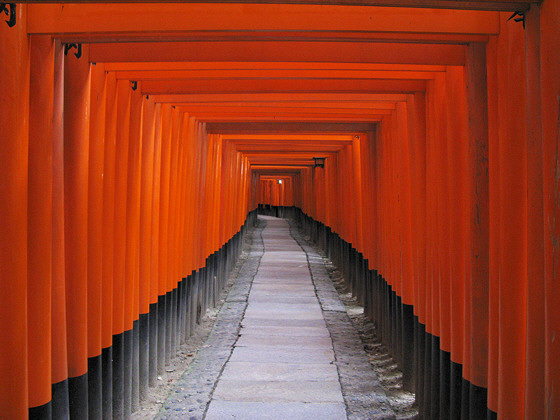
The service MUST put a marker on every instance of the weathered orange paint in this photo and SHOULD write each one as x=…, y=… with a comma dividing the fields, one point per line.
x=14, y=85
x=59, y=352
x=39, y=216
x=535, y=404
x=513, y=223
x=120, y=231
x=146, y=204
x=76, y=151
x=550, y=91
x=164, y=200
x=156, y=208
x=131, y=292
x=98, y=102
x=109, y=210
x=458, y=213
x=476, y=79
x=89, y=19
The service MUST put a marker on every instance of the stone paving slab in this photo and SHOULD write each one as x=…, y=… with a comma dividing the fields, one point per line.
x=284, y=314
x=283, y=346
x=285, y=330
x=364, y=396
x=275, y=322
x=193, y=391
x=280, y=371
x=281, y=355
x=283, y=341
x=287, y=281
x=258, y=304
x=226, y=410
x=273, y=300
x=279, y=288
x=278, y=391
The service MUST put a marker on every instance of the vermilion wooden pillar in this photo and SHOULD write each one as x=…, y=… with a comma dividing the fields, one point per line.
x=535, y=365
x=40, y=224
x=459, y=202
x=95, y=239
x=131, y=298
x=405, y=311
x=108, y=235
x=119, y=238
x=14, y=85
x=494, y=226
x=163, y=236
x=145, y=251
x=76, y=155
x=188, y=244
x=550, y=91
x=154, y=359
x=513, y=220
x=478, y=283
x=59, y=352
x=417, y=149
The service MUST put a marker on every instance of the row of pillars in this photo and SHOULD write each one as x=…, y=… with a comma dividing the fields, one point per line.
x=113, y=208
x=453, y=201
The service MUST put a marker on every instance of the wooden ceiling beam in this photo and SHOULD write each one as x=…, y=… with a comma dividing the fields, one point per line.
x=287, y=51
x=280, y=86
x=494, y=5
x=140, y=18
x=301, y=128
x=217, y=98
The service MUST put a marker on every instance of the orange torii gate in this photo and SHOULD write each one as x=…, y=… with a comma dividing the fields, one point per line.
x=137, y=138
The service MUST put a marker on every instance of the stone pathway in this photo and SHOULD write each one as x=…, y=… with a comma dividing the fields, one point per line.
x=282, y=347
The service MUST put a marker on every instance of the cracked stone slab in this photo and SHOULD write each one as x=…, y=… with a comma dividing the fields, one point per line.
x=278, y=391
x=363, y=394
x=192, y=394
x=280, y=371
x=222, y=410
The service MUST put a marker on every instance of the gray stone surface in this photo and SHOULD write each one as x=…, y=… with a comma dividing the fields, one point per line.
x=222, y=410
x=194, y=390
x=279, y=371
x=283, y=346
x=284, y=330
x=275, y=341
x=281, y=355
x=364, y=396
x=278, y=391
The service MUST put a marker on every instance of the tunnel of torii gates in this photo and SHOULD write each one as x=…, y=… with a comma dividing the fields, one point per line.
x=138, y=140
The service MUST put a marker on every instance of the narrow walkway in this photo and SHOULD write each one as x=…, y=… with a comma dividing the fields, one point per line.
x=282, y=347
x=282, y=365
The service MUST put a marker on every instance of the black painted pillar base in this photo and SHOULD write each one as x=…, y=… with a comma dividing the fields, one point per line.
x=168, y=326
x=95, y=387
x=135, y=398
x=107, y=382
x=143, y=355
x=153, y=345
x=456, y=389
x=127, y=367
x=161, y=335
x=445, y=385
x=478, y=401
x=465, y=391
x=408, y=340
x=427, y=408
x=78, y=396
x=60, y=400
x=491, y=415
x=118, y=376
x=42, y=412
x=435, y=408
